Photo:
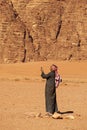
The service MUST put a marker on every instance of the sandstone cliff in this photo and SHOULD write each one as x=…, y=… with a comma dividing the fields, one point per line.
x=43, y=30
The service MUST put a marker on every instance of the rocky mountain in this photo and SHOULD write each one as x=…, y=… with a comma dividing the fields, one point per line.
x=32, y=30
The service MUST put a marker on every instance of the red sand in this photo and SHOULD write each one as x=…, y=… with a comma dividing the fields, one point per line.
x=22, y=92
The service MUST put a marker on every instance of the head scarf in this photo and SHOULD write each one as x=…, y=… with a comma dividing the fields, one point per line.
x=57, y=76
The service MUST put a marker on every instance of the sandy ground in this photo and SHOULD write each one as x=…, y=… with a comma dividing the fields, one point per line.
x=22, y=95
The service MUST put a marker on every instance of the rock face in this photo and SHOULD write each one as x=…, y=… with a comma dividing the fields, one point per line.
x=43, y=30
x=73, y=36
x=13, y=38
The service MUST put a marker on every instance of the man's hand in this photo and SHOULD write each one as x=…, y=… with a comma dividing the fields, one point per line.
x=41, y=69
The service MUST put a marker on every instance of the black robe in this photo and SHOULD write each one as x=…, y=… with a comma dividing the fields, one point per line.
x=50, y=92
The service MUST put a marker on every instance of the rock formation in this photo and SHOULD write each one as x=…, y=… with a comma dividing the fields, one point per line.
x=43, y=30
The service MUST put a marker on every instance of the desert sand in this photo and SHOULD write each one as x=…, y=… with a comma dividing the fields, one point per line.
x=22, y=96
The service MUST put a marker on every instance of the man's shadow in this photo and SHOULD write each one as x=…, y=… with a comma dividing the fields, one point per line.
x=66, y=112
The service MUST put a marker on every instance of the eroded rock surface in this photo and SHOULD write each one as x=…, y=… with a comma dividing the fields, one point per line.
x=43, y=30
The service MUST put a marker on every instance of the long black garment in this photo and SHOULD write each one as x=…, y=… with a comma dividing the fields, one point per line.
x=50, y=92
